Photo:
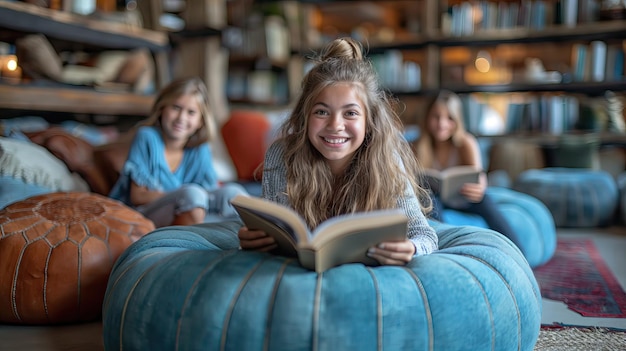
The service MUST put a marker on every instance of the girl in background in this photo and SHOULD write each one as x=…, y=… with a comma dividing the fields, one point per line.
x=169, y=174
x=341, y=151
x=443, y=143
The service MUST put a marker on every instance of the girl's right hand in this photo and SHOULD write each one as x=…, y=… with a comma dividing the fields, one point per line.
x=256, y=240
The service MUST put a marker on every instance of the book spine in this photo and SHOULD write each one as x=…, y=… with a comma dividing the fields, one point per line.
x=598, y=60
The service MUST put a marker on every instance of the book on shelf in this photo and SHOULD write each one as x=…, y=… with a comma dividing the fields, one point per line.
x=597, y=63
x=447, y=183
x=336, y=241
x=614, y=67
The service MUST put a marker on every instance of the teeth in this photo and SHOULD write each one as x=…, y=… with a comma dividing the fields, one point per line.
x=335, y=141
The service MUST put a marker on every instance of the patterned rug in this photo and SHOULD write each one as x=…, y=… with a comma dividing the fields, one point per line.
x=578, y=276
x=574, y=338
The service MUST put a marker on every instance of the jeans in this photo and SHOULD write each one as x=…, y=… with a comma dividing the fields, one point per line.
x=216, y=203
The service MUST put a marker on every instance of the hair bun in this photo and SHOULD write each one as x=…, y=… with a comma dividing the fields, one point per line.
x=342, y=48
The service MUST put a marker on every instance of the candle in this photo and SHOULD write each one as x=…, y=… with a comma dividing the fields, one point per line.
x=10, y=71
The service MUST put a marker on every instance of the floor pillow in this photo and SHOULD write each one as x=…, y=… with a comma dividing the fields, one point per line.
x=576, y=197
x=534, y=230
x=57, y=251
x=190, y=288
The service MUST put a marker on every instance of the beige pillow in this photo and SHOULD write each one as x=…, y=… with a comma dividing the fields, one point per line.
x=36, y=165
x=38, y=58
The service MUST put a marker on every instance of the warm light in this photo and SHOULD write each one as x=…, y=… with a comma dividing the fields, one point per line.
x=12, y=64
x=9, y=69
x=483, y=62
x=482, y=65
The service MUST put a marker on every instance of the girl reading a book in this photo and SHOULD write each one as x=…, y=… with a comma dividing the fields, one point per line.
x=444, y=143
x=341, y=151
x=169, y=175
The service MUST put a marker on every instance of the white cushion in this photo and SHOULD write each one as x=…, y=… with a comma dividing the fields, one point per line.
x=36, y=165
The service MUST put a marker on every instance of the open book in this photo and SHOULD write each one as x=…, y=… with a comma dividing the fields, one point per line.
x=448, y=183
x=338, y=240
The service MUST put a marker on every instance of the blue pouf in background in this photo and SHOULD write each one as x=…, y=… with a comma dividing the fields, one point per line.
x=532, y=223
x=190, y=288
x=577, y=197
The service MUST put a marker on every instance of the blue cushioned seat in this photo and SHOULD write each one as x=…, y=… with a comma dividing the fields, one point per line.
x=532, y=223
x=190, y=288
x=576, y=197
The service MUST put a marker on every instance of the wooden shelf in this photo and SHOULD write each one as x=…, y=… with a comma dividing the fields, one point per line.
x=602, y=30
x=73, y=100
x=28, y=18
x=589, y=88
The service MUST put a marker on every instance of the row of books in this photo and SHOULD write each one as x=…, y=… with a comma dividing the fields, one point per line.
x=547, y=113
x=468, y=17
x=597, y=62
x=396, y=73
x=552, y=114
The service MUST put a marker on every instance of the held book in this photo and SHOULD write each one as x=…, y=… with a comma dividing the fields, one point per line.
x=338, y=240
x=448, y=182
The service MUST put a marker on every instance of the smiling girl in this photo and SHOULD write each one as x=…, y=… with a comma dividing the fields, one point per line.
x=443, y=143
x=169, y=174
x=341, y=151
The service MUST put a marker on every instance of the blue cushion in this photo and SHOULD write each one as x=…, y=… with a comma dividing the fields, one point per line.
x=621, y=184
x=575, y=197
x=531, y=221
x=189, y=288
x=15, y=189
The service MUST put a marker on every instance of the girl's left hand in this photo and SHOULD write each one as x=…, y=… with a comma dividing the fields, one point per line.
x=397, y=253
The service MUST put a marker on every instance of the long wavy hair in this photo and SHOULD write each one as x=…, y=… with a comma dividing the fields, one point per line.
x=187, y=86
x=382, y=167
x=424, y=146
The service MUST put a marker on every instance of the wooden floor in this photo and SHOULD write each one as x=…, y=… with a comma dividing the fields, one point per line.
x=78, y=337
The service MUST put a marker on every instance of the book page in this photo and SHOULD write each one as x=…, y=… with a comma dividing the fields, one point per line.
x=346, y=239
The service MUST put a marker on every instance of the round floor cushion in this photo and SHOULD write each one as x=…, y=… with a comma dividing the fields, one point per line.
x=534, y=231
x=56, y=253
x=576, y=197
x=190, y=288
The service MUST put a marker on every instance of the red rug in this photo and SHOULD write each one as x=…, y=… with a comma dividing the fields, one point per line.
x=578, y=276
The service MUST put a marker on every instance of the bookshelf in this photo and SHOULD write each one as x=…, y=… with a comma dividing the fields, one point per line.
x=84, y=33
x=444, y=39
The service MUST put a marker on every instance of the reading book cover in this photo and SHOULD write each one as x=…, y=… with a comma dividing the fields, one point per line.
x=448, y=183
x=338, y=240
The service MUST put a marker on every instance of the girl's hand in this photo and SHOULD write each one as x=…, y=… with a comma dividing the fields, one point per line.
x=256, y=240
x=473, y=192
x=397, y=253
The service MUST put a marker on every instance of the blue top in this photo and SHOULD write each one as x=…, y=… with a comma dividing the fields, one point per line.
x=146, y=166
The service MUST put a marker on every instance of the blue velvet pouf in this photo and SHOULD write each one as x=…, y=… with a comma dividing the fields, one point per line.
x=531, y=221
x=576, y=197
x=189, y=288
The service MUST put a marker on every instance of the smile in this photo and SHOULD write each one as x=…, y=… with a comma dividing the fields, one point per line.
x=335, y=140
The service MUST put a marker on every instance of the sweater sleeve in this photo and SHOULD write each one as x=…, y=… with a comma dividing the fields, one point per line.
x=420, y=232
x=274, y=182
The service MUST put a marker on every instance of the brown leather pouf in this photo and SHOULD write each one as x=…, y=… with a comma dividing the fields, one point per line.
x=56, y=253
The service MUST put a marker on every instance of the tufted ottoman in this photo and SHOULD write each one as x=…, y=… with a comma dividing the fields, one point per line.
x=576, y=197
x=530, y=219
x=56, y=254
x=189, y=288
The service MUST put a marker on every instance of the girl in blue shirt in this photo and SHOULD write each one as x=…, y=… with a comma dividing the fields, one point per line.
x=169, y=174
